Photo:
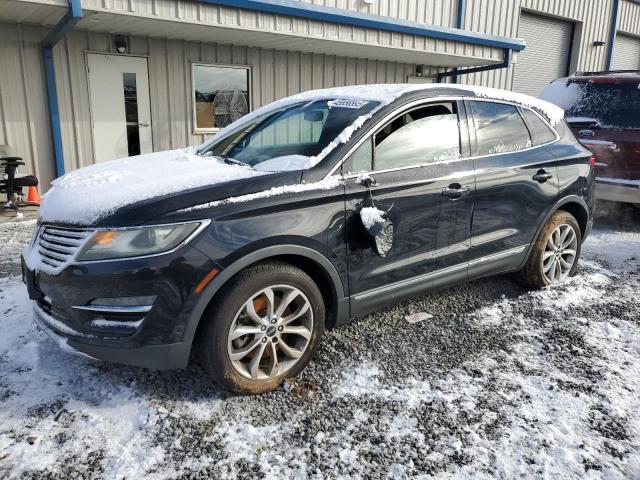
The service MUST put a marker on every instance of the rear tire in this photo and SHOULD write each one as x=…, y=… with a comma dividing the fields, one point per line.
x=555, y=254
x=268, y=311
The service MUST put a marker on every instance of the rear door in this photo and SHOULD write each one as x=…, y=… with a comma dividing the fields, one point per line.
x=516, y=183
x=425, y=189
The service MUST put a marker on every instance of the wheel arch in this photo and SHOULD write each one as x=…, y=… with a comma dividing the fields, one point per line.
x=572, y=204
x=312, y=262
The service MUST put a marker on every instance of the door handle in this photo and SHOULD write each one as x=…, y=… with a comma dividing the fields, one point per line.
x=144, y=124
x=455, y=190
x=542, y=176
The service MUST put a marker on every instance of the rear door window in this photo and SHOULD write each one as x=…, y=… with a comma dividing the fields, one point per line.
x=499, y=128
x=541, y=133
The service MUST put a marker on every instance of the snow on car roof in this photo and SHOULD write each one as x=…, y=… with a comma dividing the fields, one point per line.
x=387, y=93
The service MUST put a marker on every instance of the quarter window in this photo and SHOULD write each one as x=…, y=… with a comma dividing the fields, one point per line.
x=541, y=133
x=220, y=96
x=425, y=135
x=499, y=128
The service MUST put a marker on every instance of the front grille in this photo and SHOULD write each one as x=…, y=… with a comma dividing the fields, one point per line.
x=57, y=246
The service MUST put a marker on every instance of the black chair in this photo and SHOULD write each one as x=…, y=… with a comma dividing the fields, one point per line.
x=13, y=186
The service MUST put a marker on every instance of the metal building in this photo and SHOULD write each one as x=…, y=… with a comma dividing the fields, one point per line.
x=83, y=81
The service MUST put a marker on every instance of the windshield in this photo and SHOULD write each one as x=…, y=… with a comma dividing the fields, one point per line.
x=287, y=138
x=609, y=102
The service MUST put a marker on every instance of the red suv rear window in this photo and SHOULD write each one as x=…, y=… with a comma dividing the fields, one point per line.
x=612, y=102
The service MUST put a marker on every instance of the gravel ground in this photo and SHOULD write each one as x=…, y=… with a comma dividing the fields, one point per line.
x=499, y=383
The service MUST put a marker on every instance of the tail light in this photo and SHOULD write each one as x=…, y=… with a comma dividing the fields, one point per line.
x=592, y=161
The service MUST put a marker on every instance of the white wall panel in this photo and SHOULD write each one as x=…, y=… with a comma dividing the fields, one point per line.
x=629, y=19
x=24, y=121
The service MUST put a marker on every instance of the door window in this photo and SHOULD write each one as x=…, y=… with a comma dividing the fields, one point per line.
x=499, y=128
x=131, y=113
x=541, y=133
x=424, y=135
x=361, y=160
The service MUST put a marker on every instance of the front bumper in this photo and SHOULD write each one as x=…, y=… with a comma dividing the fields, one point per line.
x=158, y=339
x=614, y=191
x=157, y=357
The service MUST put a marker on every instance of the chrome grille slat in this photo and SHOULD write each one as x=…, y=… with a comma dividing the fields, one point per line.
x=62, y=240
x=52, y=254
x=80, y=234
x=58, y=246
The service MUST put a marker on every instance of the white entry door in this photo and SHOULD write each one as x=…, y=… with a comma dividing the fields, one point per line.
x=120, y=110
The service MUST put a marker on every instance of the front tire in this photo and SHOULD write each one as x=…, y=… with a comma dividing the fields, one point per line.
x=555, y=253
x=265, y=326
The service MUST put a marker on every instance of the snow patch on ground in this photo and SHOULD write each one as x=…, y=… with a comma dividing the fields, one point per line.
x=542, y=385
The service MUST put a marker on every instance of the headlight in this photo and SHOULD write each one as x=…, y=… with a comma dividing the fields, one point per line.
x=136, y=242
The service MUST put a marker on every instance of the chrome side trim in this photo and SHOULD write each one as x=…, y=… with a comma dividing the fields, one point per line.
x=114, y=309
x=423, y=101
x=498, y=256
x=437, y=273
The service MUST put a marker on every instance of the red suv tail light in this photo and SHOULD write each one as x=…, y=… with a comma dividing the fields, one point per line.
x=592, y=161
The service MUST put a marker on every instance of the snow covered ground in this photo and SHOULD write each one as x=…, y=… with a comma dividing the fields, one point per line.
x=498, y=383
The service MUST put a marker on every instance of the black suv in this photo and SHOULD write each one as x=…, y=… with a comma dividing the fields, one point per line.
x=346, y=201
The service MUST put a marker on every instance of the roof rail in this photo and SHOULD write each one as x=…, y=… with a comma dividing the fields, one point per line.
x=605, y=72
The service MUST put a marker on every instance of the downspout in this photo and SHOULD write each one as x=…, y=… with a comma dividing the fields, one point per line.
x=506, y=62
x=615, y=13
x=58, y=32
x=460, y=12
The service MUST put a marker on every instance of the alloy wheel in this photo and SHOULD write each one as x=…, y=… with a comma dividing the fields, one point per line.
x=270, y=332
x=560, y=253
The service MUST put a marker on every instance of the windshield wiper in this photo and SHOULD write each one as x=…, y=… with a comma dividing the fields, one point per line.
x=233, y=161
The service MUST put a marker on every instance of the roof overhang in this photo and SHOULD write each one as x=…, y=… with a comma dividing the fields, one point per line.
x=277, y=24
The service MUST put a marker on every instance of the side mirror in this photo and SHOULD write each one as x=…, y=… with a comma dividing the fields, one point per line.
x=379, y=228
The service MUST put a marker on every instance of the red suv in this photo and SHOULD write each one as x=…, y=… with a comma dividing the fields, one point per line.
x=603, y=111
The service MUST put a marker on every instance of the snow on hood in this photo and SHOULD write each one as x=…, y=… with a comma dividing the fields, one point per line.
x=285, y=163
x=385, y=94
x=83, y=196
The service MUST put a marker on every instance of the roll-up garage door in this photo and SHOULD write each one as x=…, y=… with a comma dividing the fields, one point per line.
x=546, y=56
x=626, y=53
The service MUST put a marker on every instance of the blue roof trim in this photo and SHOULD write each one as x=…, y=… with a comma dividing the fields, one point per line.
x=56, y=34
x=613, y=30
x=321, y=13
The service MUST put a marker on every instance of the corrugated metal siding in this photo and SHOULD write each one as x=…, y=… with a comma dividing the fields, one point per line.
x=433, y=12
x=24, y=121
x=275, y=74
x=629, y=19
x=501, y=17
x=595, y=16
x=196, y=13
x=496, y=17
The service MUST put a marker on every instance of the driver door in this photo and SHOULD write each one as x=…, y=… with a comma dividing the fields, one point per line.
x=425, y=189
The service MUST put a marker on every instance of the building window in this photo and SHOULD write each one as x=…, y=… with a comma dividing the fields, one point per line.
x=221, y=95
